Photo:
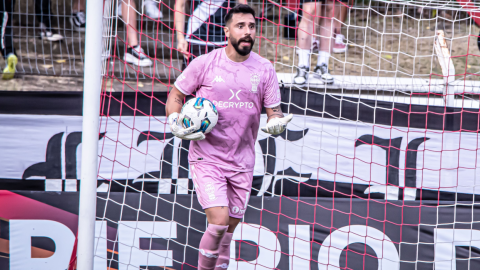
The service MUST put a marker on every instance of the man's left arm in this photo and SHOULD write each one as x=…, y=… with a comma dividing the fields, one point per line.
x=276, y=121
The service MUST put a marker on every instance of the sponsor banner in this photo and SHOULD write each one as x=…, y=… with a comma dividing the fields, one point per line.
x=38, y=232
x=313, y=148
x=379, y=155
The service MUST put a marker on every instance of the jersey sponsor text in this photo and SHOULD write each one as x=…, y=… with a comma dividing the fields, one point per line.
x=230, y=104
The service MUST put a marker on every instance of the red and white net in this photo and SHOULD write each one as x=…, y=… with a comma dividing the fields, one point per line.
x=376, y=171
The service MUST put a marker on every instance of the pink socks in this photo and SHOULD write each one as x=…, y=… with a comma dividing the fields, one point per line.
x=209, y=246
x=224, y=252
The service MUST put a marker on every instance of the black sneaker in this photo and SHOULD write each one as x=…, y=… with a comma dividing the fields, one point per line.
x=301, y=76
x=322, y=72
x=78, y=21
x=49, y=34
x=136, y=55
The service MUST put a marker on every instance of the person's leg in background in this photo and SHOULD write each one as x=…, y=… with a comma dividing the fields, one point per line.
x=135, y=54
x=306, y=28
x=44, y=17
x=8, y=51
x=77, y=20
x=340, y=15
x=326, y=44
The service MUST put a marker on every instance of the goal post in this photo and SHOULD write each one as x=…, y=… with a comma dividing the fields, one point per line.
x=90, y=131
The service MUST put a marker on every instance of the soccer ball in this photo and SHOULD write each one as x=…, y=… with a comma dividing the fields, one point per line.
x=201, y=113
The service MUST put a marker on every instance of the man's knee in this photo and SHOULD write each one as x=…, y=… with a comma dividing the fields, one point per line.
x=221, y=221
x=310, y=9
x=218, y=215
x=329, y=9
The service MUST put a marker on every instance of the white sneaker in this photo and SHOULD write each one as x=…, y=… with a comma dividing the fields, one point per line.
x=152, y=10
x=322, y=72
x=301, y=76
x=78, y=21
x=137, y=56
x=339, y=46
x=49, y=34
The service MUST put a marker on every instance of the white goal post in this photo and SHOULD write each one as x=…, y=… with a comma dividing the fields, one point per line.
x=91, y=112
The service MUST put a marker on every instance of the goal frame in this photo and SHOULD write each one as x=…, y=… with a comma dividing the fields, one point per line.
x=90, y=130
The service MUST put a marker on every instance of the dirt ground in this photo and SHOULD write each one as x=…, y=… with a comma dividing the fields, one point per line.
x=389, y=45
x=381, y=42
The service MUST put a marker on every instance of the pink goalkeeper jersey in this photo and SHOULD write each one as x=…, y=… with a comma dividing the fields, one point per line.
x=239, y=91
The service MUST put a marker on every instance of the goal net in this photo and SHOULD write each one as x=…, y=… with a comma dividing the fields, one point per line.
x=376, y=171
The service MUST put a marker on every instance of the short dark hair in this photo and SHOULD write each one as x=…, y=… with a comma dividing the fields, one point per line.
x=245, y=9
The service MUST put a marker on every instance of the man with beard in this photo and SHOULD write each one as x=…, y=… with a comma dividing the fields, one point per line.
x=240, y=83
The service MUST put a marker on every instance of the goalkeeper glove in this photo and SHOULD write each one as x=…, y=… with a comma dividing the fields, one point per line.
x=277, y=125
x=175, y=122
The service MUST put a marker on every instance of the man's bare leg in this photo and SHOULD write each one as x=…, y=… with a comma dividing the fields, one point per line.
x=214, y=249
x=326, y=28
x=78, y=6
x=340, y=15
x=130, y=17
x=339, y=45
x=306, y=28
x=326, y=43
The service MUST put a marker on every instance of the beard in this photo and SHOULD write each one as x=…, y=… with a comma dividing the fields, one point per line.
x=245, y=50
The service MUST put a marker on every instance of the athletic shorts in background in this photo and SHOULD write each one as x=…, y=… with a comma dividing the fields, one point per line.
x=216, y=186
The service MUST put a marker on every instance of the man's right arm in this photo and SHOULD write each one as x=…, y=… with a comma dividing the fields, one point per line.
x=174, y=118
x=174, y=101
x=182, y=45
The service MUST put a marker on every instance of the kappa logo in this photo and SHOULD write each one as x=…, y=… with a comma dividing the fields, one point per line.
x=223, y=265
x=218, y=79
x=234, y=94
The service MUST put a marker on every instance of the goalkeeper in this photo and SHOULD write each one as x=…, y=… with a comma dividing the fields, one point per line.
x=221, y=163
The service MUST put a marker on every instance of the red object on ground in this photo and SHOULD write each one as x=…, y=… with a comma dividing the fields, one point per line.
x=468, y=4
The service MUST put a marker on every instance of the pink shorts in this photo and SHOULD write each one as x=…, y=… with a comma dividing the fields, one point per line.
x=220, y=187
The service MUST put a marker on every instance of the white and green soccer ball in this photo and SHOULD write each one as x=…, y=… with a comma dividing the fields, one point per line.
x=201, y=113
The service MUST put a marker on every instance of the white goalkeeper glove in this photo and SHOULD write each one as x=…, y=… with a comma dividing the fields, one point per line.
x=175, y=121
x=277, y=125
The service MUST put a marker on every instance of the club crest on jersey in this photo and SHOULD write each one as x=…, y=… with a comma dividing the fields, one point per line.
x=255, y=80
x=210, y=190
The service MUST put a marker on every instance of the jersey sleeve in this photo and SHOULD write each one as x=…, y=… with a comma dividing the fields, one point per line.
x=191, y=78
x=272, y=92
